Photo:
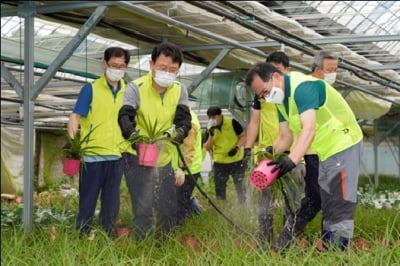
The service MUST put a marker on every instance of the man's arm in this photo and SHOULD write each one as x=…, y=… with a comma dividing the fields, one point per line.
x=127, y=113
x=209, y=143
x=285, y=138
x=73, y=124
x=242, y=139
x=306, y=136
x=240, y=132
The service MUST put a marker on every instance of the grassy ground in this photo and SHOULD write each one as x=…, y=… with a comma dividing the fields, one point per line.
x=207, y=239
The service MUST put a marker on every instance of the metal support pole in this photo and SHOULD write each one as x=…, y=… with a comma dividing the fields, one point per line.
x=69, y=49
x=376, y=157
x=28, y=122
x=207, y=71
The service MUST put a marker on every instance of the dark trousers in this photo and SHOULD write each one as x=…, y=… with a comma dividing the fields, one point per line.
x=221, y=176
x=311, y=203
x=185, y=192
x=96, y=177
x=151, y=189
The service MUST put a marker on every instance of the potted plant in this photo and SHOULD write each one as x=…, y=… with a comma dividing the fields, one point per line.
x=73, y=151
x=148, y=146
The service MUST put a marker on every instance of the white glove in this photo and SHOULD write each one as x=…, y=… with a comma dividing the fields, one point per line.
x=299, y=172
x=179, y=177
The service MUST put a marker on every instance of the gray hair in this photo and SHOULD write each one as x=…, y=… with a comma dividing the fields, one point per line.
x=319, y=58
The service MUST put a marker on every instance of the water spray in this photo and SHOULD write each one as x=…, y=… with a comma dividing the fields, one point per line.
x=208, y=198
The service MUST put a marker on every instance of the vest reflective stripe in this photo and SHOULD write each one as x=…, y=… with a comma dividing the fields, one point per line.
x=336, y=126
x=157, y=110
x=103, y=116
x=223, y=141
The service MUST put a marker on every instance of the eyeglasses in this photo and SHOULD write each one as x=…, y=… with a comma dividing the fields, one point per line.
x=172, y=70
x=116, y=66
x=262, y=94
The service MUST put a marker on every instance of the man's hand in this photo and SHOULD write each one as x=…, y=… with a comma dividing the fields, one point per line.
x=266, y=152
x=284, y=164
x=210, y=131
x=233, y=151
x=179, y=177
x=67, y=145
x=246, y=157
x=180, y=135
x=268, y=149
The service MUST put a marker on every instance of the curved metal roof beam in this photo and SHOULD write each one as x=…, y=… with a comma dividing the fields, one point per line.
x=257, y=28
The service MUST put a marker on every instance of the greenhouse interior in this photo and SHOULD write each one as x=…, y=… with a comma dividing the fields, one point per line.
x=51, y=49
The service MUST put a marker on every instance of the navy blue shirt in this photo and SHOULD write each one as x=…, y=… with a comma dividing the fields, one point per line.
x=82, y=105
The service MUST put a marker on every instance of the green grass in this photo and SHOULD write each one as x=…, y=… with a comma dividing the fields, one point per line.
x=204, y=240
x=386, y=182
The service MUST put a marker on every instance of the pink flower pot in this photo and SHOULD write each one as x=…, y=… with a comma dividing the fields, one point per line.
x=262, y=177
x=148, y=154
x=71, y=166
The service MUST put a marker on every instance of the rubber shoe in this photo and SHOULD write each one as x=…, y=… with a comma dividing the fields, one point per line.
x=195, y=206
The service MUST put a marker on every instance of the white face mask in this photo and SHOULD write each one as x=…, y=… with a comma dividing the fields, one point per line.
x=275, y=96
x=211, y=123
x=330, y=77
x=114, y=74
x=164, y=79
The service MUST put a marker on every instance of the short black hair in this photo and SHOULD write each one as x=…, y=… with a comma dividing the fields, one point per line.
x=168, y=49
x=263, y=70
x=214, y=110
x=117, y=52
x=278, y=57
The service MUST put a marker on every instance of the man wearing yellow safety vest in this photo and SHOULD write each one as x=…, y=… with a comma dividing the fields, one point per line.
x=324, y=123
x=264, y=124
x=160, y=101
x=226, y=140
x=324, y=67
x=96, y=111
x=189, y=172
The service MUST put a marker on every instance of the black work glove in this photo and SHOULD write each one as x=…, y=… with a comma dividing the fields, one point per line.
x=246, y=157
x=247, y=153
x=264, y=153
x=284, y=164
x=233, y=151
x=180, y=135
x=67, y=145
x=268, y=149
x=126, y=120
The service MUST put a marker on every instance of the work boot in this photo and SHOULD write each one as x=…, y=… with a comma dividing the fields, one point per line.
x=195, y=206
x=180, y=215
x=286, y=236
x=332, y=241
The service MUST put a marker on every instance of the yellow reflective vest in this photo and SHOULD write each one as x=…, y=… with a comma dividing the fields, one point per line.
x=224, y=140
x=191, y=149
x=158, y=111
x=336, y=126
x=103, y=117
